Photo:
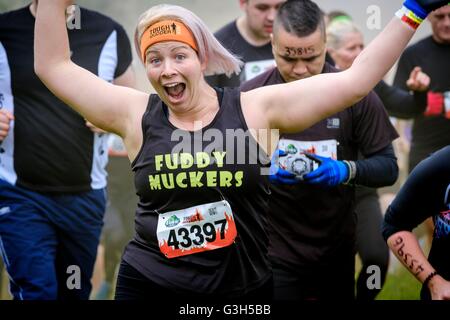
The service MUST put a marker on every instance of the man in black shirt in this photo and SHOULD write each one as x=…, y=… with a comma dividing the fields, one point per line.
x=431, y=128
x=312, y=224
x=249, y=38
x=52, y=166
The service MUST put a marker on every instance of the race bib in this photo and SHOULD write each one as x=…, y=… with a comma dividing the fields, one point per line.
x=324, y=148
x=255, y=68
x=196, y=229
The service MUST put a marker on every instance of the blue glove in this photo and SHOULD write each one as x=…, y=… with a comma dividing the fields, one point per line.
x=278, y=175
x=423, y=7
x=329, y=174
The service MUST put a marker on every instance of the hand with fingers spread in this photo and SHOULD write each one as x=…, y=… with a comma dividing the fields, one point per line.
x=5, y=118
x=330, y=172
x=418, y=80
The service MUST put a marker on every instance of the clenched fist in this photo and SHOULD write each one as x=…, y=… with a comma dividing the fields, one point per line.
x=5, y=119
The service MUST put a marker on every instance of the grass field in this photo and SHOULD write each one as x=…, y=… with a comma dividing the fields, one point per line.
x=400, y=285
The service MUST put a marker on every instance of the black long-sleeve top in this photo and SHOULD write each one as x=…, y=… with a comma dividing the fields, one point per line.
x=400, y=103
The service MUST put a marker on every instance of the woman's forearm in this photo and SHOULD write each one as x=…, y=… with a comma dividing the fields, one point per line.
x=406, y=248
x=51, y=43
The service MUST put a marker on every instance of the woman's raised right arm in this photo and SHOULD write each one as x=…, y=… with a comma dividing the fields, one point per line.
x=297, y=105
x=112, y=108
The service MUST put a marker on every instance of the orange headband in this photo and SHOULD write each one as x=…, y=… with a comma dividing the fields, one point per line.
x=168, y=30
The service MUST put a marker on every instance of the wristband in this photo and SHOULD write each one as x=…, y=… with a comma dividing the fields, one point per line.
x=351, y=165
x=435, y=104
x=429, y=277
x=409, y=17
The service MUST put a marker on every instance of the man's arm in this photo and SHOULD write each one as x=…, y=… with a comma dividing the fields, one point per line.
x=377, y=170
x=400, y=102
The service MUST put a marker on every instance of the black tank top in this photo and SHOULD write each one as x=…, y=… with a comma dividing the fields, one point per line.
x=162, y=186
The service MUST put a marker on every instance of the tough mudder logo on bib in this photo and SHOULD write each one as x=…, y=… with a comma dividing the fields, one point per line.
x=291, y=149
x=172, y=221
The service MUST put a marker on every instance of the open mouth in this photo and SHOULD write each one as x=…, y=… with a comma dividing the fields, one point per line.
x=175, y=90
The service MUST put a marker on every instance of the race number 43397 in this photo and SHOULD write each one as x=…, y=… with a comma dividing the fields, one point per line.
x=196, y=229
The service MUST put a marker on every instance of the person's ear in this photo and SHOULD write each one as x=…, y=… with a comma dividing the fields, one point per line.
x=204, y=64
x=272, y=44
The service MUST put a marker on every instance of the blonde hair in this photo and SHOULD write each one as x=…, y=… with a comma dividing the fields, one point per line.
x=337, y=30
x=218, y=59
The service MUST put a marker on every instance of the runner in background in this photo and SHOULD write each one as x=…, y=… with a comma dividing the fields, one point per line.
x=52, y=166
x=248, y=37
